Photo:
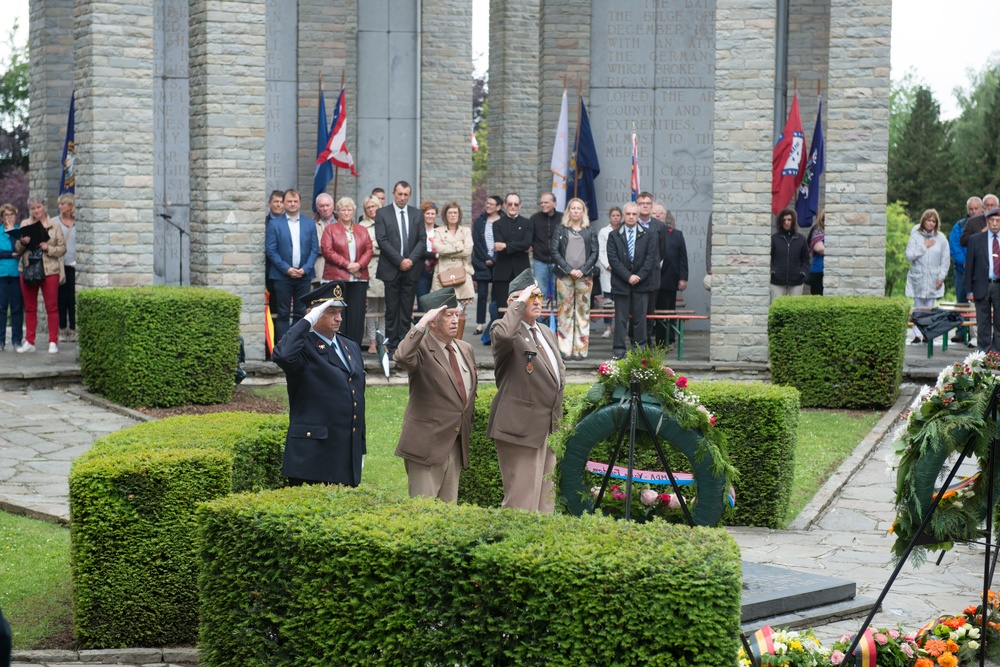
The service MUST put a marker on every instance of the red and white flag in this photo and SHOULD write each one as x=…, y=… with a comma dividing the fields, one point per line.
x=475, y=144
x=336, y=149
x=788, y=164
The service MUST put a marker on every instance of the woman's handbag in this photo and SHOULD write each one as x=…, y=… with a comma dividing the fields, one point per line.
x=451, y=277
x=34, y=273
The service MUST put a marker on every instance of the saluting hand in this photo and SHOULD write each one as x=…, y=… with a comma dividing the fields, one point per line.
x=431, y=315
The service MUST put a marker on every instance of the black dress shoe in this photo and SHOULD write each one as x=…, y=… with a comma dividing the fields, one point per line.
x=958, y=338
x=917, y=341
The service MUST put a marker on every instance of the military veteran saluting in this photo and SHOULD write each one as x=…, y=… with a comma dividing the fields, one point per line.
x=530, y=376
x=434, y=442
x=326, y=394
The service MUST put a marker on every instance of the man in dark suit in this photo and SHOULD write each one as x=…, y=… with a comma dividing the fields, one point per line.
x=399, y=230
x=441, y=370
x=292, y=247
x=530, y=376
x=632, y=257
x=673, y=273
x=982, y=281
x=275, y=209
x=658, y=228
x=512, y=235
x=326, y=393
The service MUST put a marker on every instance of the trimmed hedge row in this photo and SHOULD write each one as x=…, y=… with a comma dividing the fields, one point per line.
x=760, y=422
x=336, y=576
x=159, y=346
x=839, y=352
x=132, y=502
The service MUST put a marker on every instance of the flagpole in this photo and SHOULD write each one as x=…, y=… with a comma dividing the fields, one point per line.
x=576, y=144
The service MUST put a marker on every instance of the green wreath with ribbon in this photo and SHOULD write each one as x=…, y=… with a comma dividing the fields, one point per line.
x=949, y=417
x=685, y=428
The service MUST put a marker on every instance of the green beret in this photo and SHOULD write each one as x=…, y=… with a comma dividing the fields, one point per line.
x=523, y=280
x=437, y=298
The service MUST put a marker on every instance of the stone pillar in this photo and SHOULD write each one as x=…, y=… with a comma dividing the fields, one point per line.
x=808, y=56
x=512, y=165
x=446, y=75
x=388, y=98
x=227, y=61
x=114, y=133
x=744, y=85
x=565, y=52
x=281, y=104
x=857, y=139
x=327, y=43
x=50, y=85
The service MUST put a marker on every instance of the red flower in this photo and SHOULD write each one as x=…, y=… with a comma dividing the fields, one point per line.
x=711, y=420
x=682, y=382
x=645, y=363
x=604, y=369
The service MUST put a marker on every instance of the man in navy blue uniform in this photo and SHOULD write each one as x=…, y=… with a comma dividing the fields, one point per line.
x=326, y=394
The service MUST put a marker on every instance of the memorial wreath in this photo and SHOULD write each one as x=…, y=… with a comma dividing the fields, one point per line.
x=949, y=417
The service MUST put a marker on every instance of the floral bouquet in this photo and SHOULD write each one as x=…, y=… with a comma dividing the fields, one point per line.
x=646, y=502
x=891, y=649
x=791, y=649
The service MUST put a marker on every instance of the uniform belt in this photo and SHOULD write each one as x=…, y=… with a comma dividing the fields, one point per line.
x=994, y=280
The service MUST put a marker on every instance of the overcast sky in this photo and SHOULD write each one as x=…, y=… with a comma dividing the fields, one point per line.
x=939, y=41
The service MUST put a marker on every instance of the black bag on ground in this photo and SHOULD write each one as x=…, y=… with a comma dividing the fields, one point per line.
x=934, y=322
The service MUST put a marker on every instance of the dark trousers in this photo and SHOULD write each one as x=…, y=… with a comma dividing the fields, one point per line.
x=425, y=282
x=634, y=304
x=288, y=303
x=815, y=282
x=483, y=301
x=67, y=300
x=665, y=300
x=988, y=319
x=12, y=299
x=6, y=642
x=399, y=295
x=355, y=295
x=501, y=288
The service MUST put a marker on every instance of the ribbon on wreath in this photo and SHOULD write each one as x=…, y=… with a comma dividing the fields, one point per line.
x=762, y=642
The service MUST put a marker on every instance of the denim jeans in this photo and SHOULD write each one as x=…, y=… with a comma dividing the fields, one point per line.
x=544, y=278
x=11, y=298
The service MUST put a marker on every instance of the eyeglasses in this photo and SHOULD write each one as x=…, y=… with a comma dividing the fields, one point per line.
x=514, y=204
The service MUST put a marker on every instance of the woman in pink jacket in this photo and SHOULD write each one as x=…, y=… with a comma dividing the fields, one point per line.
x=347, y=249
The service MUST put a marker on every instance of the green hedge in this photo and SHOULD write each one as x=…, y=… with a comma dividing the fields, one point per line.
x=839, y=352
x=159, y=346
x=132, y=504
x=335, y=576
x=761, y=424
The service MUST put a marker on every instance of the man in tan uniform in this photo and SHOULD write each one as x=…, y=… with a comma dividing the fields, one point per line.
x=434, y=440
x=530, y=376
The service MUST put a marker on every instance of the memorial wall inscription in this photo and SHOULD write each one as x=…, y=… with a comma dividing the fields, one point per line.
x=653, y=69
x=281, y=99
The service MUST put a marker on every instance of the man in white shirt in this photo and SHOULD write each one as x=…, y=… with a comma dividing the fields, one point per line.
x=292, y=247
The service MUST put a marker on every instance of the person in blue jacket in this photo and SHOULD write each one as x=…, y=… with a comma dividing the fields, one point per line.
x=974, y=206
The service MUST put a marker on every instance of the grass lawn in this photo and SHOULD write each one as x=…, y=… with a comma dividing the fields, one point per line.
x=34, y=555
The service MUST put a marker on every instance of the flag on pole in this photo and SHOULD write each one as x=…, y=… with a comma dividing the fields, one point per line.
x=585, y=166
x=324, y=170
x=635, y=167
x=789, y=160
x=67, y=182
x=807, y=202
x=560, y=155
x=335, y=151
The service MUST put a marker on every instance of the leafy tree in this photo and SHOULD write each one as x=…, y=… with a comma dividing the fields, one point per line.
x=969, y=133
x=901, y=96
x=14, y=105
x=897, y=234
x=480, y=109
x=920, y=166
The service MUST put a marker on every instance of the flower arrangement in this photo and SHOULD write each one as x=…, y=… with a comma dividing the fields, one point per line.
x=949, y=415
x=791, y=649
x=892, y=649
x=646, y=501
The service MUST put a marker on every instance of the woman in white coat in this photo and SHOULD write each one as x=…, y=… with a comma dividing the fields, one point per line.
x=927, y=252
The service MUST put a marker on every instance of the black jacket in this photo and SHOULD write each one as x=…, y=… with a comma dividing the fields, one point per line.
x=544, y=229
x=480, y=253
x=789, y=259
x=658, y=229
x=559, y=240
x=326, y=407
x=675, y=261
x=512, y=260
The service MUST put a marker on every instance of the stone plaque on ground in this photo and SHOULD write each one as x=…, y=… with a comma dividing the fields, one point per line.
x=653, y=68
x=770, y=591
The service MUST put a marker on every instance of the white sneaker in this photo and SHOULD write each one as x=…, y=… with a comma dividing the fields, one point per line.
x=25, y=347
x=606, y=334
x=53, y=348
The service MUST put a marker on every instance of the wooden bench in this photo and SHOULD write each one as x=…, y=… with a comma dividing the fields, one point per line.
x=968, y=313
x=675, y=319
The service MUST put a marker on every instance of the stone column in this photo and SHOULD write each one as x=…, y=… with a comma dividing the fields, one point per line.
x=744, y=85
x=227, y=61
x=114, y=136
x=565, y=52
x=281, y=104
x=513, y=161
x=445, y=86
x=857, y=139
x=50, y=61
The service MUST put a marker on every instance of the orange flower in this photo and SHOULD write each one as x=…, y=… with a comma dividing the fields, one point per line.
x=952, y=647
x=935, y=647
x=923, y=662
x=970, y=610
x=955, y=622
x=948, y=660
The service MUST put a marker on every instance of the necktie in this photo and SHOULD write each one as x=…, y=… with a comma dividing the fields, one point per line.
x=340, y=353
x=542, y=354
x=456, y=371
x=996, y=256
x=631, y=244
x=402, y=230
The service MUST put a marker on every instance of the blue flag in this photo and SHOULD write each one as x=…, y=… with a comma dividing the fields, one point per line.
x=585, y=166
x=67, y=182
x=324, y=170
x=807, y=201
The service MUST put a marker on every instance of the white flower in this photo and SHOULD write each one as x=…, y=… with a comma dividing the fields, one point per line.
x=974, y=633
x=945, y=376
x=975, y=359
x=973, y=645
x=925, y=393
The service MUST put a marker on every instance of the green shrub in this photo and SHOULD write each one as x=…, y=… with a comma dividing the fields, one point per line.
x=336, y=576
x=132, y=502
x=761, y=424
x=481, y=483
x=159, y=346
x=839, y=352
